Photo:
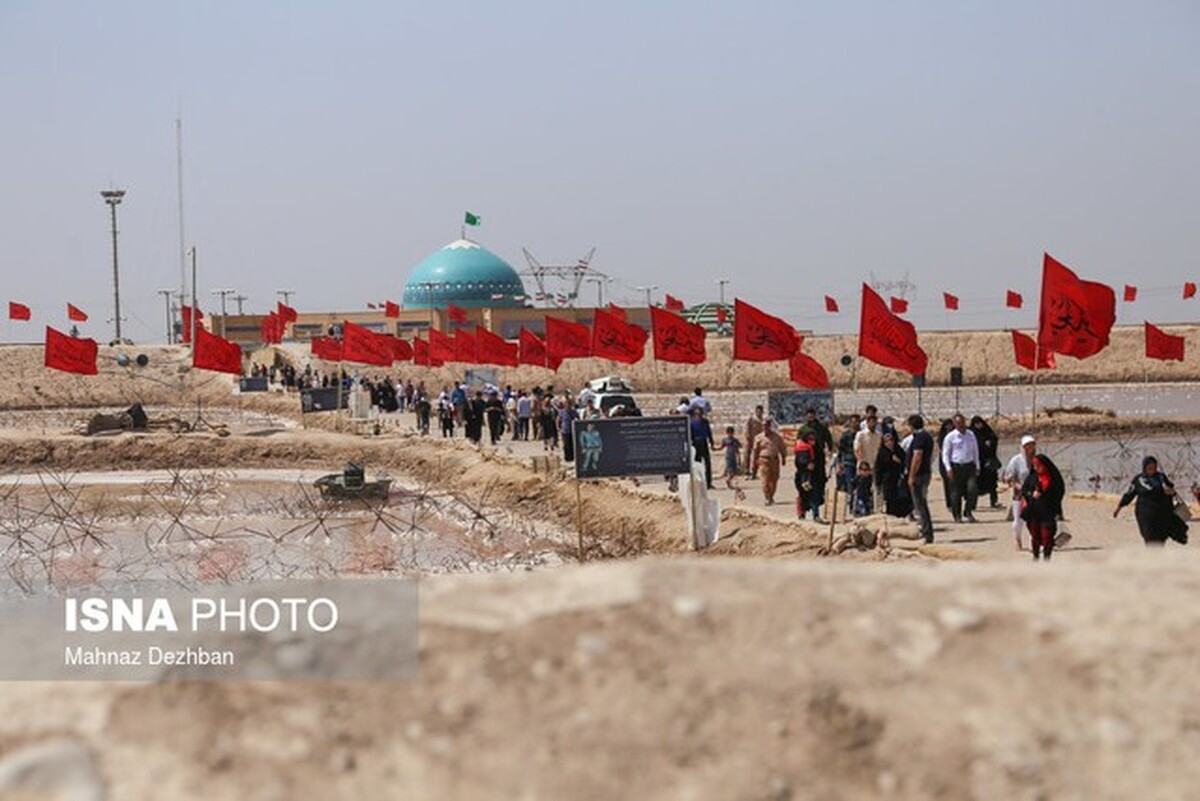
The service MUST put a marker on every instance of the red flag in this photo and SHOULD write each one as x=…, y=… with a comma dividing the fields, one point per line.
x=401, y=350
x=286, y=313
x=465, y=348
x=533, y=349
x=326, y=348
x=612, y=338
x=673, y=303
x=760, y=337
x=75, y=313
x=456, y=314
x=1013, y=300
x=1161, y=345
x=364, y=346
x=807, y=372
x=215, y=353
x=391, y=309
x=566, y=340
x=722, y=315
x=370, y=305
x=493, y=349
x=677, y=340
x=441, y=346
x=1130, y=293
x=1025, y=349
x=423, y=354
x=616, y=311
x=69, y=354
x=18, y=311
x=831, y=305
x=1076, y=316
x=898, y=305
x=271, y=329
x=886, y=339
x=951, y=301
x=1189, y=290
x=186, y=311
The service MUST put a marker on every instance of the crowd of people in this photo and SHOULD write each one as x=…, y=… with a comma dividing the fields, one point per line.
x=878, y=465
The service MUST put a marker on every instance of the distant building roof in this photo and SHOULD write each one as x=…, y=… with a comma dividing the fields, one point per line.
x=706, y=315
x=466, y=274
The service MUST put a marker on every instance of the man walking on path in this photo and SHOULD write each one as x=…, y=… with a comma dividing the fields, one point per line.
x=920, y=459
x=769, y=453
x=960, y=457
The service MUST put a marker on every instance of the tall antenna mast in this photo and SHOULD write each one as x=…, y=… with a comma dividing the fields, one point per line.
x=179, y=167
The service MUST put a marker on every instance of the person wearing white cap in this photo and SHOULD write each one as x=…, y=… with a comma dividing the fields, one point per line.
x=1015, y=473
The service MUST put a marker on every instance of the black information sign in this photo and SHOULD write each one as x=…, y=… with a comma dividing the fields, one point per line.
x=322, y=399
x=789, y=407
x=253, y=384
x=632, y=446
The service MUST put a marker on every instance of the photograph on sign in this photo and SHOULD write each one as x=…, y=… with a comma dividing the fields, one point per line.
x=789, y=407
x=322, y=399
x=631, y=446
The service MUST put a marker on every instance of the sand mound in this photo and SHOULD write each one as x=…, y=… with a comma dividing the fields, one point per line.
x=707, y=679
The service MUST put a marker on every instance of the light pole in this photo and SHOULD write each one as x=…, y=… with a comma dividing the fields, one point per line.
x=113, y=198
x=166, y=293
x=647, y=290
x=223, y=293
x=286, y=294
x=600, y=281
x=239, y=300
x=721, y=282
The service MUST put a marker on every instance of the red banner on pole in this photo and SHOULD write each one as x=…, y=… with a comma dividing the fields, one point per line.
x=886, y=339
x=613, y=338
x=1164, y=346
x=807, y=372
x=70, y=354
x=761, y=337
x=1075, y=316
x=1027, y=355
x=216, y=353
x=533, y=349
x=676, y=340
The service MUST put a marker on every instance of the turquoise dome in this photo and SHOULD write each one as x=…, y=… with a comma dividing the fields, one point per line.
x=465, y=274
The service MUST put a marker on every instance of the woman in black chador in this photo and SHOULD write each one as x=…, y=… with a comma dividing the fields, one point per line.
x=1041, y=504
x=1155, y=507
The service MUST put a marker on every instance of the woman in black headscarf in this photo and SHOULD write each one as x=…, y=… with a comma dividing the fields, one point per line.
x=889, y=476
x=1155, y=508
x=989, y=464
x=1042, y=497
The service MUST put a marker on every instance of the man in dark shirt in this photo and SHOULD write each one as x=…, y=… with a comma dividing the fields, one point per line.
x=920, y=460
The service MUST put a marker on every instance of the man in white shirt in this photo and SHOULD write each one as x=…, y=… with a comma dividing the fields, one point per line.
x=960, y=457
x=700, y=402
x=1015, y=473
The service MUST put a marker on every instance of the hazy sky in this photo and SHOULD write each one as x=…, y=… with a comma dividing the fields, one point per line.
x=793, y=147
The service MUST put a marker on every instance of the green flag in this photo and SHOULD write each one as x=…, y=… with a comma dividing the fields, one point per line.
x=471, y=219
